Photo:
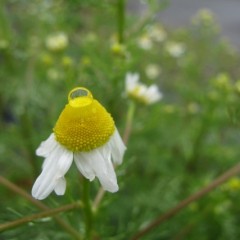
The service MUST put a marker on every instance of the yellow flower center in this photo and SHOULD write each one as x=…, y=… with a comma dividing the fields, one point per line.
x=84, y=124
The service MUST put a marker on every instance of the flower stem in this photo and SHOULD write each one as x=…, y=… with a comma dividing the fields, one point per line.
x=129, y=121
x=98, y=198
x=87, y=208
x=43, y=214
x=202, y=192
x=120, y=19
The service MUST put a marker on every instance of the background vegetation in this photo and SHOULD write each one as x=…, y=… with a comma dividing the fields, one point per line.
x=176, y=146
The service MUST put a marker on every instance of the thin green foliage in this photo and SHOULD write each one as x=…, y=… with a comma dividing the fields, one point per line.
x=175, y=147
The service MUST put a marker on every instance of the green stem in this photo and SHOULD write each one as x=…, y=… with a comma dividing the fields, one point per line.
x=5, y=29
x=129, y=121
x=19, y=191
x=43, y=214
x=175, y=210
x=120, y=19
x=87, y=208
x=197, y=147
x=199, y=140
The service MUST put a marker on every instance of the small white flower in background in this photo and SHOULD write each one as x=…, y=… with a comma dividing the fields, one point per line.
x=140, y=91
x=222, y=81
x=206, y=20
x=145, y=42
x=204, y=16
x=57, y=41
x=175, y=49
x=85, y=132
x=157, y=33
x=152, y=71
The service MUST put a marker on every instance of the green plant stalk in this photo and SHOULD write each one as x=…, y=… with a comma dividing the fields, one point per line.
x=14, y=188
x=5, y=28
x=26, y=131
x=87, y=209
x=127, y=132
x=182, y=234
x=26, y=121
x=47, y=213
x=121, y=19
x=129, y=121
x=202, y=192
x=197, y=146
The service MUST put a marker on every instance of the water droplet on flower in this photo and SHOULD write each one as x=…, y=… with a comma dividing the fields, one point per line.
x=80, y=97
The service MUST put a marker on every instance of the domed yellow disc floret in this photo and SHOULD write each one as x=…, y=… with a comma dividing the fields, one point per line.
x=84, y=124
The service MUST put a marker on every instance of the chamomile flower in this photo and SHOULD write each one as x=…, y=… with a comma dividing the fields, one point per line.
x=204, y=16
x=175, y=49
x=152, y=71
x=145, y=42
x=57, y=41
x=157, y=33
x=140, y=91
x=86, y=134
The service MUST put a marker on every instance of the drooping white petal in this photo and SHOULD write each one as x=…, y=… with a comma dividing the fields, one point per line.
x=98, y=163
x=47, y=146
x=106, y=174
x=61, y=186
x=117, y=147
x=84, y=166
x=55, y=166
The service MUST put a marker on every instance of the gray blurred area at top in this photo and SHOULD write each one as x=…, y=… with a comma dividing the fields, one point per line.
x=179, y=13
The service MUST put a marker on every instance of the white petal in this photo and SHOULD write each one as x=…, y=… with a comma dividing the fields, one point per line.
x=46, y=147
x=84, y=166
x=106, y=174
x=44, y=184
x=64, y=163
x=153, y=94
x=117, y=147
x=60, y=188
x=142, y=89
x=131, y=81
x=98, y=163
x=55, y=167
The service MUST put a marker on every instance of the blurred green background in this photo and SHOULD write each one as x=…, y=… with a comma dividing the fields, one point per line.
x=177, y=145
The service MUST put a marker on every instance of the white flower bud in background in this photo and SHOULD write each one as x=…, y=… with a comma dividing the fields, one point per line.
x=57, y=41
